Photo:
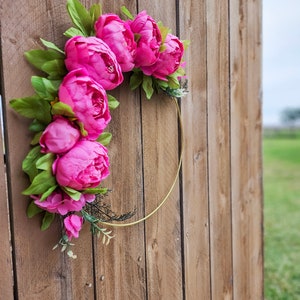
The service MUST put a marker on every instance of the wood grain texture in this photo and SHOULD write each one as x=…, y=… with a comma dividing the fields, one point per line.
x=6, y=264
x=122, y=262
x=160, y=149
x=195, y=169
x=206, y=241
x=120, y=267
x=245, y=61
x=218, y=123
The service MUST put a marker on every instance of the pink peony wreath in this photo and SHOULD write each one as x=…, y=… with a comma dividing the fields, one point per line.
x=70, y=111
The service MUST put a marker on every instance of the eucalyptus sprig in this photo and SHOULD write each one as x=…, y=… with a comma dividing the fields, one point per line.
x=97, y=230
x=65, y=244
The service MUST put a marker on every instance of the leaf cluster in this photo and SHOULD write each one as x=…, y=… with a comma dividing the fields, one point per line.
x=38, y=107
x=65, y=244
x=150, y=84
x=38, y=167
x=82, y=19
x=95, y=229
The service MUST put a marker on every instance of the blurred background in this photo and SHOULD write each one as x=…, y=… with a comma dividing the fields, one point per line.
x=281, y=148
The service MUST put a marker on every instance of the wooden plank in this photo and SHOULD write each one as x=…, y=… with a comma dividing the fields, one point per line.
x=41, y=272
x=160, y=148
x=6, y=274
x=195, y=172
x=120, y=267
x=6, y=262
x=163, y=232
x=219, y=149
x=124, y=258
x=245, y=59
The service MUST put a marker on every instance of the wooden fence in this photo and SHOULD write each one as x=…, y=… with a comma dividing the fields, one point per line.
x=206, y=242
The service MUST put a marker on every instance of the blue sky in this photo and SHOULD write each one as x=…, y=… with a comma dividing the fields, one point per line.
x=281, y=58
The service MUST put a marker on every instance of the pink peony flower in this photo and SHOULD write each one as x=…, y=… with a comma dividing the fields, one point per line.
x=84, y=166
x=73, y=224
x=88, y=100
x=118, y=36
x=59, y=136
x=96, y=57
x=168, y=61
x=61, y=203
x=149, y=39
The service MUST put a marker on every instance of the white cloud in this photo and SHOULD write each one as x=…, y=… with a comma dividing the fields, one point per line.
x=281, y=57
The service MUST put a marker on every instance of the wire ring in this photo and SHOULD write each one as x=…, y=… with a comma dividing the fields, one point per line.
x=163, y=201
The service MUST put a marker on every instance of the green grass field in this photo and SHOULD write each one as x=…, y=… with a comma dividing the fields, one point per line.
x=282, y=218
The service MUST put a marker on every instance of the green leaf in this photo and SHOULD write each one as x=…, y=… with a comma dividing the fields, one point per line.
x=28, y=165
x=185, y=43
x=104, y=138
x=113, y=103
x=89, y=217
x=147, y=86
x=96, y=190
x=71, y=254
x=173, y=82
x=161, y=83
x=55, y=68
x=126, y=12
x=74, y=194
x=136, y=79
x=47, y=220
x=71, y=32
x=60, y=108
x=48, y=192
x=80, y=17
x=162, y=48
x=36, y=138
x=45, y=88
x=52, y=46
x=33, y=107
x=40, y=183
x=163, y=31
x=36, y=126
x=178, y=73
x=81, y=128
x=38, y=58
x=45, y=162
x=33, y=210
x=95, y=12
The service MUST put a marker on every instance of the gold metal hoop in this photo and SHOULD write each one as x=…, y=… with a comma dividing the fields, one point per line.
x=163, y=201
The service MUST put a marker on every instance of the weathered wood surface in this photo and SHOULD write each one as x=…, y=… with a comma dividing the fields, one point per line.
x=206, y=241
x=246, y=144
x=6, y=267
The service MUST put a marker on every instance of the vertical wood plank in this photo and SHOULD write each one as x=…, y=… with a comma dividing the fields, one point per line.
x=41, y=272
x=124, y=259
x=219, y=149
x=120, y=267
x=6, y=274
x=221, y=179
x=254, y=41
x=195, y=172
x=160, y=148
x=163, y=232
x=245, y=59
